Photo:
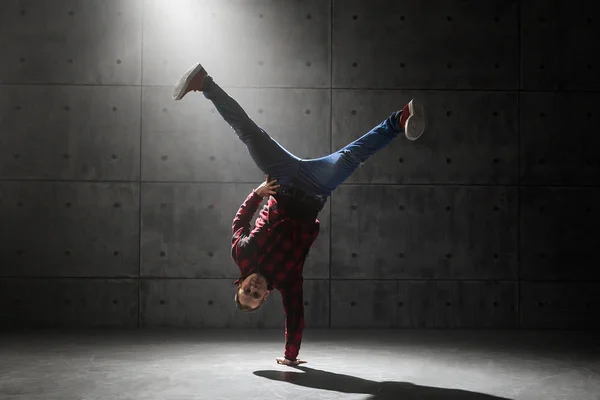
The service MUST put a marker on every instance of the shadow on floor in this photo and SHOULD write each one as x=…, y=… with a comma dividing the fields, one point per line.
x=317, y=379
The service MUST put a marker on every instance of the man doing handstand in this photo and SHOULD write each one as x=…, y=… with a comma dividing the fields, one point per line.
x=271, y=255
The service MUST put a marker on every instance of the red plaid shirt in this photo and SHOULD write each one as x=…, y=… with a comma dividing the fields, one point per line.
x=277, y=248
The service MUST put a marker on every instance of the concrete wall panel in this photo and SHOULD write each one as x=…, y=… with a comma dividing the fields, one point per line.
x=210, y=303
x=559, y=237
x=456, y=304
x=75, y=41
x=425, y=44
x=559, y=305
x=187, y=231
x=364, y=304
x=242, y=43
x=69, y=302
x=393, y=232
x=553, y=59
x=559, y=139
x=69, y=229
x=189, y=140
x=470, y=137
x=68, y=132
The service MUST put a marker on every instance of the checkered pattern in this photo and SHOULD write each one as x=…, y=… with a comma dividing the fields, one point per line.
x=277, y=248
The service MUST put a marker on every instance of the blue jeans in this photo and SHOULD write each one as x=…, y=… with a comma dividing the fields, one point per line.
x=318, y=176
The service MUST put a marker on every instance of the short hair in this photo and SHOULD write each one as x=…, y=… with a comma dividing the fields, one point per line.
x=244, y=308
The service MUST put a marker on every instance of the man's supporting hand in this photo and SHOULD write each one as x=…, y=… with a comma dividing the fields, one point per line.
x=285, y=361
x=267, y=188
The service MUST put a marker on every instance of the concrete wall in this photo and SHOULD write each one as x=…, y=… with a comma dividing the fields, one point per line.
x=116, y=202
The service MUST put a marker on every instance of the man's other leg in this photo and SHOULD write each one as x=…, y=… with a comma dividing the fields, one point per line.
x=323, y=175
x=267, y=154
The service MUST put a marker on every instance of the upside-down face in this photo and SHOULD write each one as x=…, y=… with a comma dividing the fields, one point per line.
x=252, y=291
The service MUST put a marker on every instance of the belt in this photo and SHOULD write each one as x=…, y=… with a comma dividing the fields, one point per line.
x=311, y=200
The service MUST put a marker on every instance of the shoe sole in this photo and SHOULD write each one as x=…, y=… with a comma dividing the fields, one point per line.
x=415, y=124
x=184, y=81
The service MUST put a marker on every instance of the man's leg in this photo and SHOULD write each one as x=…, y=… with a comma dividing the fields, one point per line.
x=267, y=154
x=321, y=176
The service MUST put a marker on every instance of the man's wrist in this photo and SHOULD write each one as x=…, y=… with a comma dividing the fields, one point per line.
x=256, y=194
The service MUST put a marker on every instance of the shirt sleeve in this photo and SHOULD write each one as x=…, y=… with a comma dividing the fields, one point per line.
x=293, y=305
x=242, y=239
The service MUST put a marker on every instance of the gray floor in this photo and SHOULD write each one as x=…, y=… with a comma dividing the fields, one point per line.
x=238, y=364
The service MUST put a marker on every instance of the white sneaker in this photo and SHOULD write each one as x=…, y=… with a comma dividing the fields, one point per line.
x=190, y=81
x=414, y=126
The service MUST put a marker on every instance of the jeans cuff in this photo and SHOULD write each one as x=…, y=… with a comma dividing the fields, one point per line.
x=207, y=82
x=394, y=121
